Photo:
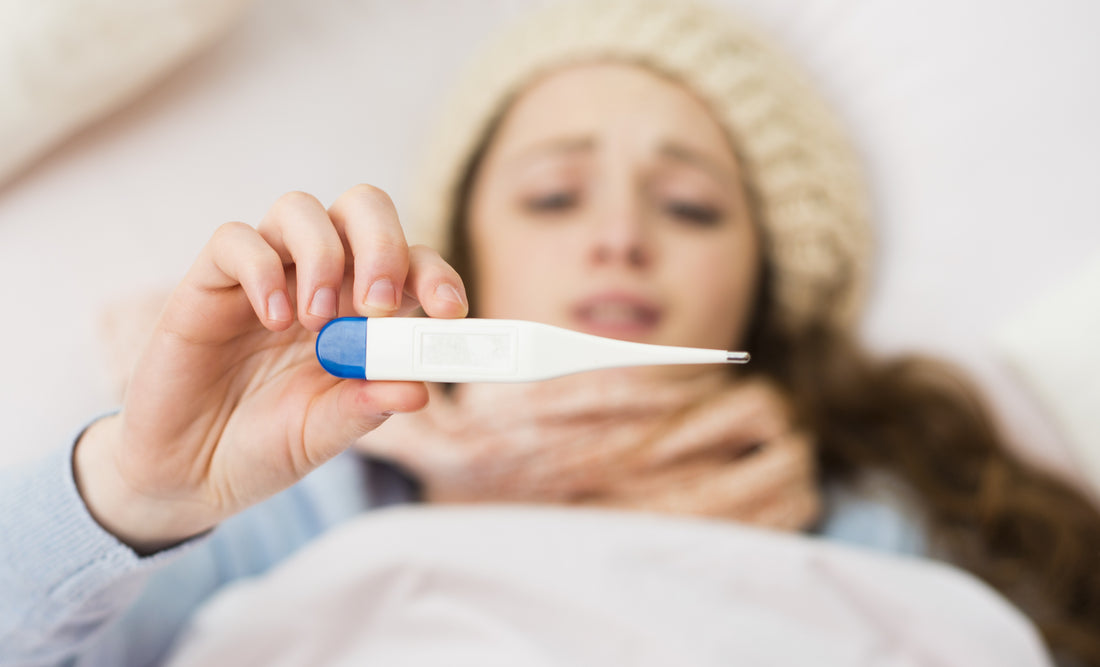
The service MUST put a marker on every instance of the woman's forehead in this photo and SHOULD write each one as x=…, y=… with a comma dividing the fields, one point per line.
x=585, y=107
x=666, y=149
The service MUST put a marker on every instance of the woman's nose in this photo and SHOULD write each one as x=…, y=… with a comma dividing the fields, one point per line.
x=620, y=237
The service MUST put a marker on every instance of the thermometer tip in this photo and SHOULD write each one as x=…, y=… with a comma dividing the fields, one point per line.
x=737, y=357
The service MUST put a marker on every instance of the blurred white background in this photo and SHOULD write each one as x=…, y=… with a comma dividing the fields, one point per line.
x=977, y=120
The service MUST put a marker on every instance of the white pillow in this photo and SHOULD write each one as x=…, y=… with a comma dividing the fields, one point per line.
x=1051, y=345
x=65, y=63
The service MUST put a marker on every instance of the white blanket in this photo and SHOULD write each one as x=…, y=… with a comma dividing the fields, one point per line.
x=542, y=586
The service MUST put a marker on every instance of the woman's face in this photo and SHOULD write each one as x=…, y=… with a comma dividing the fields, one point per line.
x=610, y=202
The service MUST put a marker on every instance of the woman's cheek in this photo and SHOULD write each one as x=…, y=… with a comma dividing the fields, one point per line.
x=718, y=287
x=518, y=277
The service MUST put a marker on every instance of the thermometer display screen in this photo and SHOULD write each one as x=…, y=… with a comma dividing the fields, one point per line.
x=484, y=352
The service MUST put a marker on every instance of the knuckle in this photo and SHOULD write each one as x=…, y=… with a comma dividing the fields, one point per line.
x=263, y=258
x=367, y=213
x=425, y=253
x=769, y=400
x=328, y=258
x=370, y=195
x=430, y=265
x=230, y=229
x=384, y=250
x=762, y=390
x=296, y=200
x=330, y=254
x=229, y=235
x=288, y=206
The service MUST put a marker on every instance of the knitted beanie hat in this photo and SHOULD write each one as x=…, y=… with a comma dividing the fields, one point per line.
x=795, y=158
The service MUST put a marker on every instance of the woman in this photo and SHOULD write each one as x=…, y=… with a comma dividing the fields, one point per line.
x=643, y=170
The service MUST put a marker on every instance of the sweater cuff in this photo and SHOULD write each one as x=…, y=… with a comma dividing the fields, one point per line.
x=59, y=550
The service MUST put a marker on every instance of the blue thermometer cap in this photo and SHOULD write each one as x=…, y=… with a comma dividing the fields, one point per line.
x=342, y=347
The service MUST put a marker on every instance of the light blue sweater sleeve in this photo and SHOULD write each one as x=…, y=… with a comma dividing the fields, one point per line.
x=72, y=594
x=876, y=513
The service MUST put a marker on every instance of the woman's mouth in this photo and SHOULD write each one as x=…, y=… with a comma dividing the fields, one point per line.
x=617, y=315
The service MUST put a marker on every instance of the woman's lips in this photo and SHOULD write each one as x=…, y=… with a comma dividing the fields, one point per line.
x=617, y=315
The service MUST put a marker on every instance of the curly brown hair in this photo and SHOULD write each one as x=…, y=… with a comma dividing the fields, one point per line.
x=1030, y=535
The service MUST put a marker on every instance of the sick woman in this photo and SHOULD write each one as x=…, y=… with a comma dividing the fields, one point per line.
x=652, y=171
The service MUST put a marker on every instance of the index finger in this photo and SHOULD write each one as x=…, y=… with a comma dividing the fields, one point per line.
x=366, y=218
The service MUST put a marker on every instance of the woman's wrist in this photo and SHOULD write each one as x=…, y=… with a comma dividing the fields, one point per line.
x=145, y=524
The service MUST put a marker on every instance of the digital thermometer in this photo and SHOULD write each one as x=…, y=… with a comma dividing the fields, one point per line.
x=482, y=350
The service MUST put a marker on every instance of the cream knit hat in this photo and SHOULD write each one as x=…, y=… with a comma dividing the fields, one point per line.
x=794, y=154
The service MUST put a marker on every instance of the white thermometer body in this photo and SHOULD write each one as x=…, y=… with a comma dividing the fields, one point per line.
x=483, y=350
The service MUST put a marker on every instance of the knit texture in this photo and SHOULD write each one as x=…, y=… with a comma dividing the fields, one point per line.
x=794, y=154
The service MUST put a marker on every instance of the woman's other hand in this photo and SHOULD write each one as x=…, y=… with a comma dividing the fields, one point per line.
x=228, y=404
x=701, y=446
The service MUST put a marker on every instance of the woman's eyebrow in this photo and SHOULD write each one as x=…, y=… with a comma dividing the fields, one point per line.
x=690, y=156
x=558, y=145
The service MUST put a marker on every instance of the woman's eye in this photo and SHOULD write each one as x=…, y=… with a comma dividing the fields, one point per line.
x=699, y=214
x=557, y=201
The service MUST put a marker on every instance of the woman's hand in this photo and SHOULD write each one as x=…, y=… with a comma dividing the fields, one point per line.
x=228, y=404
x=701, y=446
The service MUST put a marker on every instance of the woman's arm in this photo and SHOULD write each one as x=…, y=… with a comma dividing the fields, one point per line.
x=226, y=408
x=69, y=591
x=62, y=577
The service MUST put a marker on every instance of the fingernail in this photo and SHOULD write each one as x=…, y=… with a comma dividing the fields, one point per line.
x=278, y=307
x=382, y=295
x=447, y=292
x=323, y=303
